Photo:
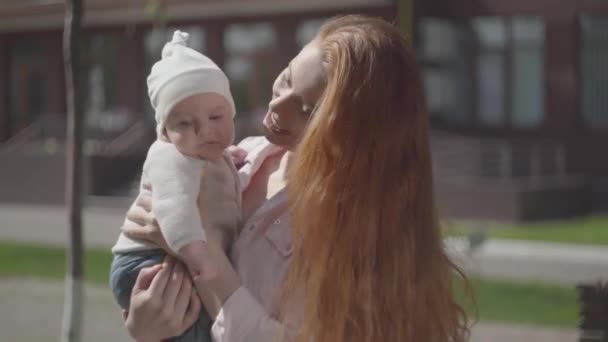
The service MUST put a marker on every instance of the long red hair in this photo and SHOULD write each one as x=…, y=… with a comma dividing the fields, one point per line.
x=368, y=253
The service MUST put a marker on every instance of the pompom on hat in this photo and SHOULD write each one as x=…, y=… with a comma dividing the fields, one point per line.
x=181, y=73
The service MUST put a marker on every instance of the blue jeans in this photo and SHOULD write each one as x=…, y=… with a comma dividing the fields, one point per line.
x=123, y=273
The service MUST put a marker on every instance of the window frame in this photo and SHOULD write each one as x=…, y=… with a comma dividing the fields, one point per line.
x=473, y=49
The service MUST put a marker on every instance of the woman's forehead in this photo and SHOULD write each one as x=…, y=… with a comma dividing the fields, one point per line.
x=307, y=72
x=308, y=60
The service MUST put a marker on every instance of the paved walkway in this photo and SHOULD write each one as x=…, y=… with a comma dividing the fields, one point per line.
x=555, y=263
x=503, y=259
x=32, y=309
x=47, y=224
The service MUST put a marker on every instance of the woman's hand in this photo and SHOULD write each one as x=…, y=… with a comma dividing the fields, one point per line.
x=163, y=304
x=213, y=292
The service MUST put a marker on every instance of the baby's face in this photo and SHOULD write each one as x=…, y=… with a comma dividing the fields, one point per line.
x=201, y=126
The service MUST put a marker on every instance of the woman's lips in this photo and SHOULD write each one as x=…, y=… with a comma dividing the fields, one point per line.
x=274, y=126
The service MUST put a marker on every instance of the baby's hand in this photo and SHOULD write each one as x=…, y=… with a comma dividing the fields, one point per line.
x=197, y=258
x=238, y=155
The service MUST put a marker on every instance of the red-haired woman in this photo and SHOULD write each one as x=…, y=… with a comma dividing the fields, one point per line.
x=341, y=240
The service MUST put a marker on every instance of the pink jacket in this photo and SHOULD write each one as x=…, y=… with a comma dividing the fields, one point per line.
x=261, y=257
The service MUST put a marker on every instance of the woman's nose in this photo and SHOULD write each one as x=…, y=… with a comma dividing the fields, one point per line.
x=281, y=104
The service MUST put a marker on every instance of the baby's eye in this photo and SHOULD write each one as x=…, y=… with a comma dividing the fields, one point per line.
x=184, y=123
x=215, y=117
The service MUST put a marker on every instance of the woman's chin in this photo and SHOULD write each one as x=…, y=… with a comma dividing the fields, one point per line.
x=282, y=139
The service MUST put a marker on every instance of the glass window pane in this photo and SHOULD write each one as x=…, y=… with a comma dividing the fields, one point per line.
x=28, y=83
x=527, y=95
x=307, y=30
x=528, y=30
x=433, y=84
x=490, y=81
x=443, y=49
x=461, y=111
x=437, y=39
x=102, y=76
x=491, y=32
x=462, y=83
x=594, y=69
x=244, y=38
x=252, y=65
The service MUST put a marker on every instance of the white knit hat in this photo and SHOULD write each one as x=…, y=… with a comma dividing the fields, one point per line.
x=180, y=73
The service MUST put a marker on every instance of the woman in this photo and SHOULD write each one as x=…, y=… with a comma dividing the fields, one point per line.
x=359, y=256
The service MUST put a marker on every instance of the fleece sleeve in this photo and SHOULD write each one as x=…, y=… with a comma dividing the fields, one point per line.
x=175, y=180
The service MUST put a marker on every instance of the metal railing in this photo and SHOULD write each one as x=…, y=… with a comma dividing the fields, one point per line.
x=129, y=141
x=25, y=135
x=532, y=162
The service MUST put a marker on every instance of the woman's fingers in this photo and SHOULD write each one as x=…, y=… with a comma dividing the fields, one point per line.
x=144, y=201
x=145, y=277
x=193, y=311
x=151, y=317
x=159, y=283
x=150, y=233
x=137, y=232
x=174, y=284
x=140, y=215
x=183, y=297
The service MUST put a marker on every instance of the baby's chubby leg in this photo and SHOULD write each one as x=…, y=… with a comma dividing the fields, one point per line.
x=198, y=259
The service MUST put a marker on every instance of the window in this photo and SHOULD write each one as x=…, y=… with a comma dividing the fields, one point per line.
x=154, y=41
x=102, y=104
x=442, y=51
x=307, y=30
x=489, y=71
x=29, y=82
x=252, y=64
x=492, y=39
x=527, y=95
x=510, y=71
x=594, y=70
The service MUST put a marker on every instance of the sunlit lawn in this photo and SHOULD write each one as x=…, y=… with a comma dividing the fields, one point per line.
x=592, y=230
x=496, y=300
x=525, y=302
x=17, y=260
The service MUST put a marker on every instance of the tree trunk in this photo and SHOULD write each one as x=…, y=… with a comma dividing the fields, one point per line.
x=405, y=18
x=73, y=311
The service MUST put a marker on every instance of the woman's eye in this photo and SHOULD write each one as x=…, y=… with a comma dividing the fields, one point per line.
x=215, y=117
x=307, y=110
x=285, y=79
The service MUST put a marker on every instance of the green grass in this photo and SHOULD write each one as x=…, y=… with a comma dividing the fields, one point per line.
x=496, y=300
x=591, y=230
x=23, y=260
x=525, y=303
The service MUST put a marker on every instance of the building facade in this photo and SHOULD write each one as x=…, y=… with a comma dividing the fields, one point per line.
x=516, y=91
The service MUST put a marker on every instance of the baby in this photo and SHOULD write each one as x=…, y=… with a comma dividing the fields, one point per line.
x=194, y=114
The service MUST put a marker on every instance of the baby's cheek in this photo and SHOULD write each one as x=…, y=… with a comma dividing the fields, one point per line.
x=184, y=144
x=228, y=133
